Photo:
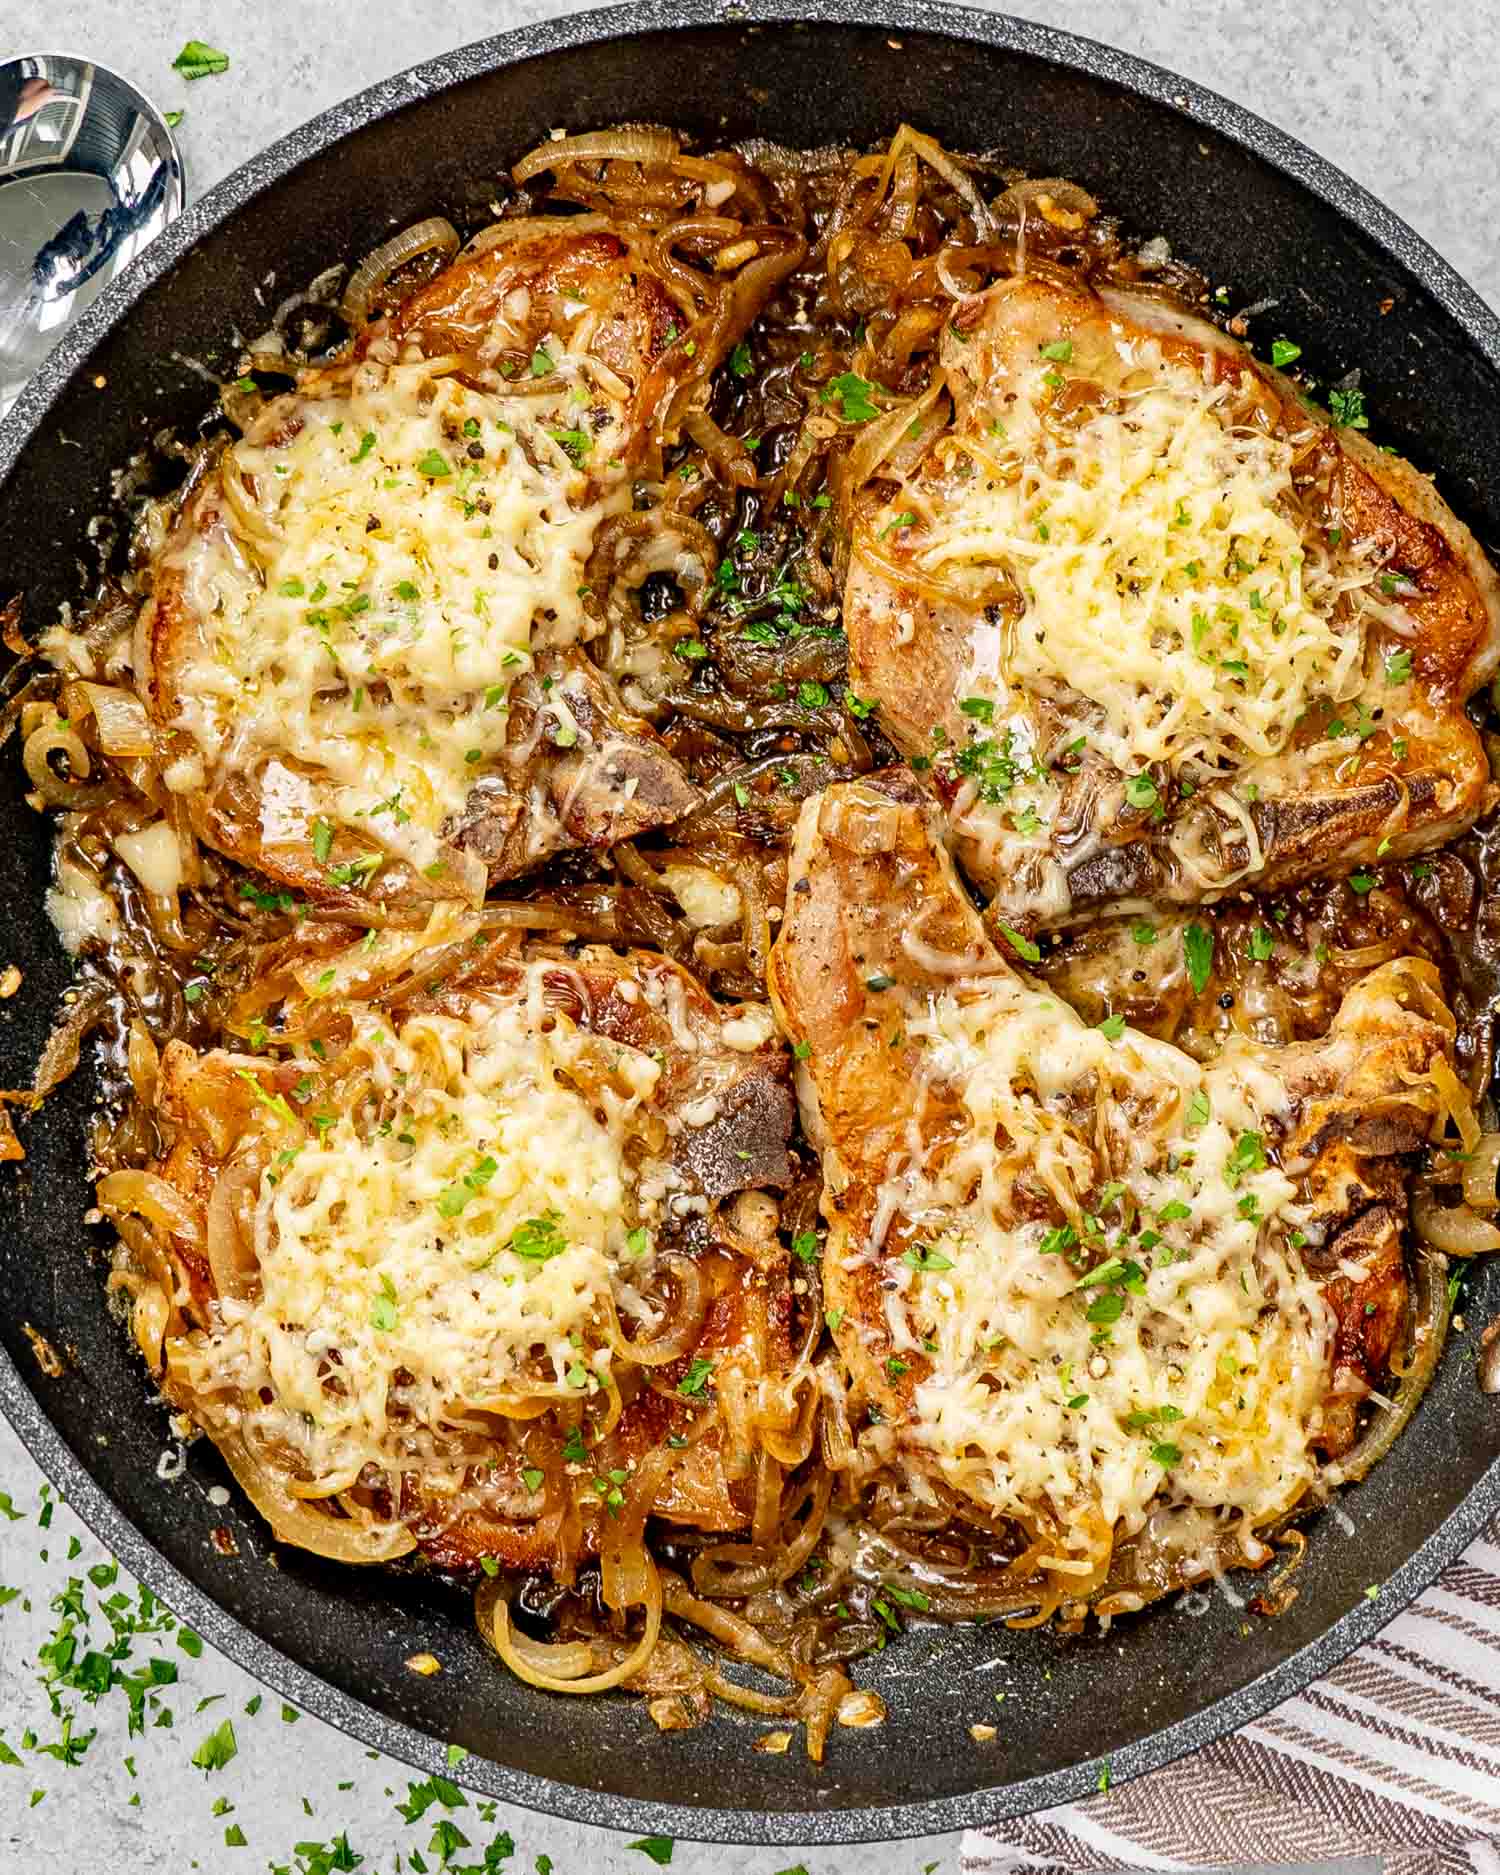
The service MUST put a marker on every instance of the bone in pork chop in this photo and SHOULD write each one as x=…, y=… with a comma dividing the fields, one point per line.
x=363, y=660
x=1075, y=1275
x=1154, y=626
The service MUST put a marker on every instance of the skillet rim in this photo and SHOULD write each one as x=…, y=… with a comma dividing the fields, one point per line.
x=810, y=1828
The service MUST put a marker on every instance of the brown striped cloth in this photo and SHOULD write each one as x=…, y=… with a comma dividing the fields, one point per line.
x=1393, y=1759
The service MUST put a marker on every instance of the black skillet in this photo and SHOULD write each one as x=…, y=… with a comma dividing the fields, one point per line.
x=1258, y=212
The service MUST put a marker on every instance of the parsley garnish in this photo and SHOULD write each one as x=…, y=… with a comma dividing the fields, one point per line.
x=852, y=393
x=197, y=60
x=218, y=1748
x=1347, y=408
x=539, y=1239
x=697, y=1377
x=453, y=1198
x=1198, y=949
x=922, y=1259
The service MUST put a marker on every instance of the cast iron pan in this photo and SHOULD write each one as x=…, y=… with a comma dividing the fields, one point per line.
x=1259, y=213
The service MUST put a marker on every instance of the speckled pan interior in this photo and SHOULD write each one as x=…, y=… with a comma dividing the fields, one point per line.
x=1257, y=211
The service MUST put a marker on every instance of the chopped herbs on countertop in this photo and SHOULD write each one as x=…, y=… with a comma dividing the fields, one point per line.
x=107, y=1649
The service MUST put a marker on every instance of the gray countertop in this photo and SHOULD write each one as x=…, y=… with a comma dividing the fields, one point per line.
x=1399, y=95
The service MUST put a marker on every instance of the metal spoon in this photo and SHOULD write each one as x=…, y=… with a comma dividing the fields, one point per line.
x=88, y=175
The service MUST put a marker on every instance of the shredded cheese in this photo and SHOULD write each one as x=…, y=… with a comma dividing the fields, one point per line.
x=1161, y=591
x=451, y=1235
x=369, y=590
x=1167, y=1344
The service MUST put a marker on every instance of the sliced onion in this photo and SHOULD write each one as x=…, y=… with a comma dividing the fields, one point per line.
x=121, y=719
x=41, y=747
x=152, y=1198
x=565, y=1667
x=632, y=143
x=375, y=269
x=1431, y=1311
x=533, y=228
x=231, y=1252
x=1455, y=1230
x=1481, y=1171
x=682, y=1325
x=340, y=1539
x=878, y=439
x=60, y=1056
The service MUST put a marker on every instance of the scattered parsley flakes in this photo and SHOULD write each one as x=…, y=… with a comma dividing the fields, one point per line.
x=1198, y=949
x=1284, y=353
x=697, y=1377
x=539, y=1239
x=922, y=1259
x=660, y=1848
x=218, y=1749
x=1022, y=946
x=197, y=60
x=1347, y=408
x=852, y=394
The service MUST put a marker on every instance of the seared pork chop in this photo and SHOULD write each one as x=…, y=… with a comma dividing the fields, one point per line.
x=474, y=1249
x=1078, y=1277
x=362, y=658
x=1155, y=627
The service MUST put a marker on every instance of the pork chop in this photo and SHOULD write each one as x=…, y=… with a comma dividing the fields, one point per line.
x=363, y=655
x=1077, y=1277
x=485, y=1237
x=1157, y=628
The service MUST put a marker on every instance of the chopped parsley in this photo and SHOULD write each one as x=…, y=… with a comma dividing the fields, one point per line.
x=697, y=1377
x=1249, y=1155
x=539, y=1239
x=453, y=1198
x=1198, y=949
x=922, y=1259
x=1022, y=946
x=197, y=60
x=852, y=394
x=1284, y=353
x=1347, y=408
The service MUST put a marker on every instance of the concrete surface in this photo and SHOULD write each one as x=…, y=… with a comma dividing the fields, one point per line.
x=1401, y=96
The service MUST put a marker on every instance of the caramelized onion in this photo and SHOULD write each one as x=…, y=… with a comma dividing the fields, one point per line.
x=1455, y=1230
x=1431, y=1313
x=41, y=749
x=339, y=1539
x=423, y=237
x=631, y=143
x=228, y=1236
x=567, y=1667
x=1481, y=1170
x=154, y=1199
x=60, y=1056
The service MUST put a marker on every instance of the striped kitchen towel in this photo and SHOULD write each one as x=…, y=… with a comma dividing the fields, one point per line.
x=1394, y=1755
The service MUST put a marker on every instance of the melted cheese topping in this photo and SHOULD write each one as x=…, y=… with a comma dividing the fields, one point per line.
x=1162, y=593
x=371, y=589
x=1170, y=1341
x=454, y=1233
